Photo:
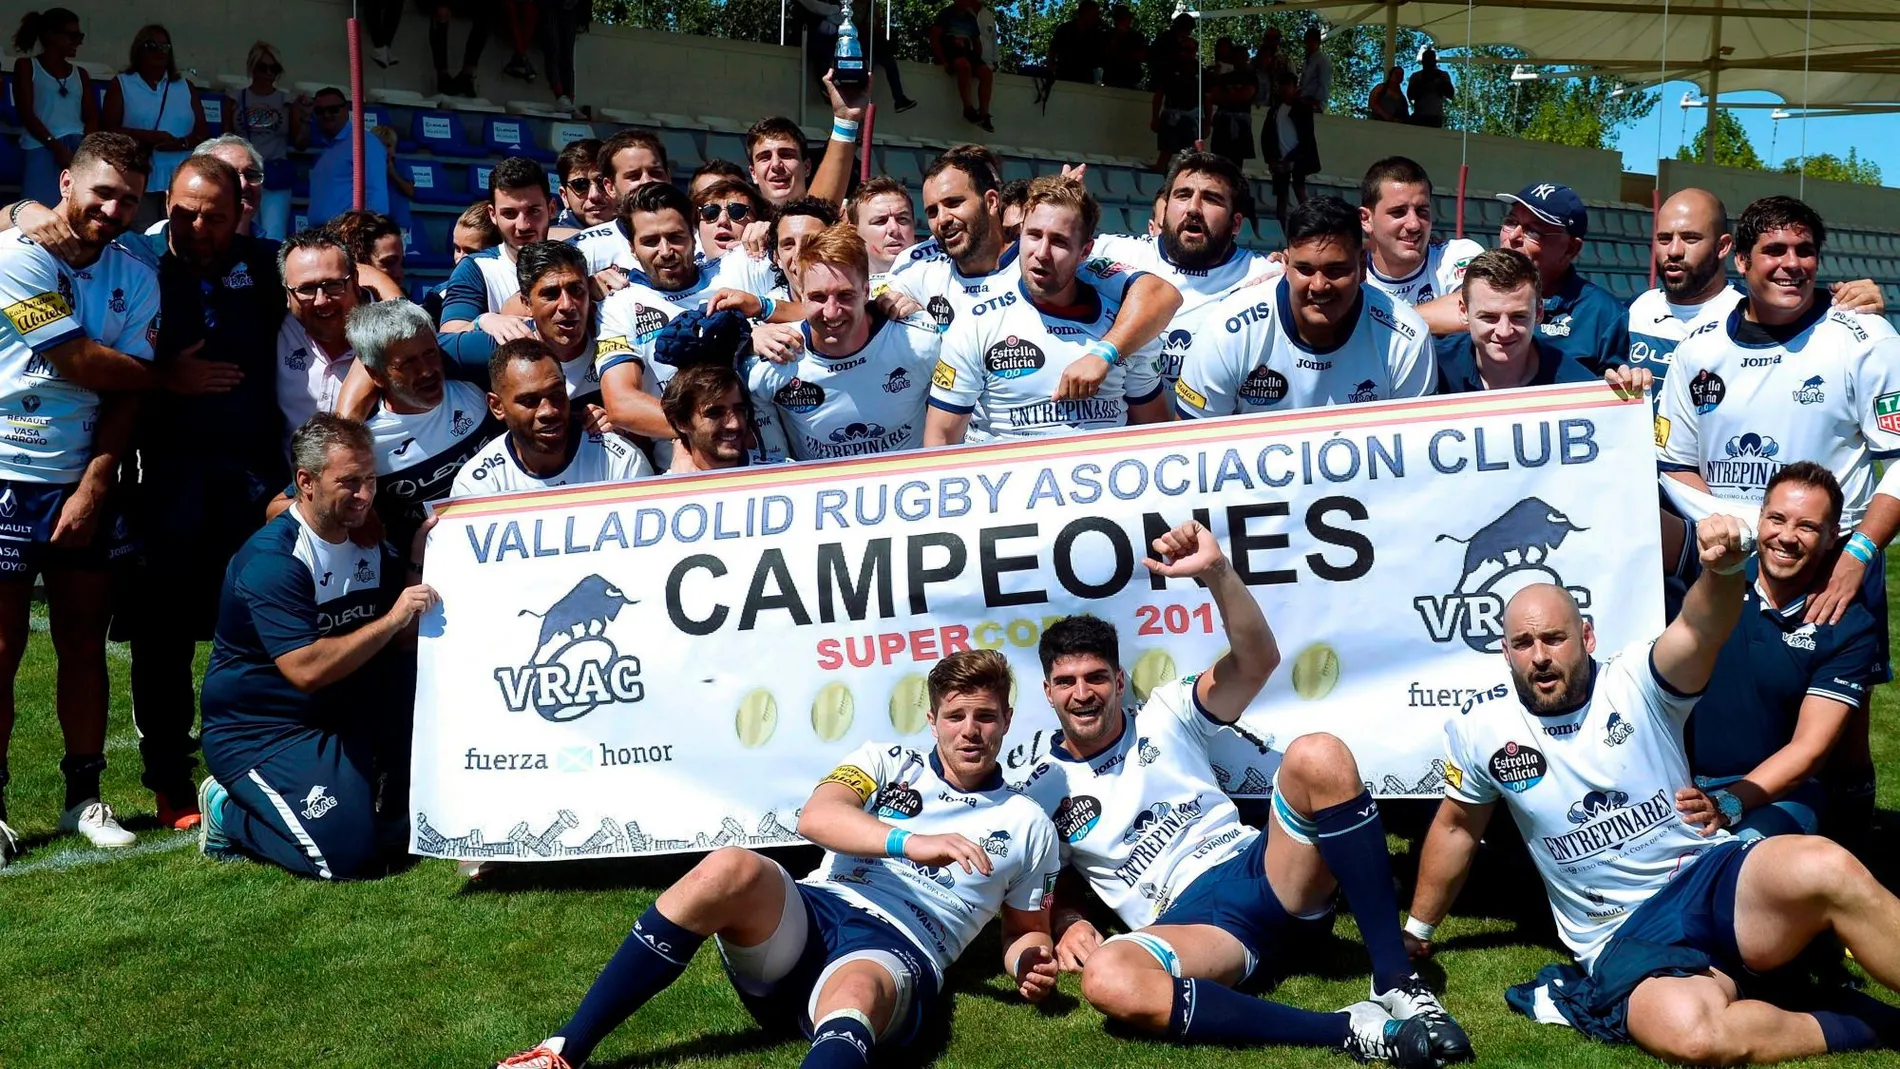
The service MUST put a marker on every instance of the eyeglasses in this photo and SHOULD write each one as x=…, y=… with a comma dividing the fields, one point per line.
x=1532, y=234
x=252, y=175
x=737, y=211
x=580, y=187
x=332, y=109
x=329, y=287
x=157, y=46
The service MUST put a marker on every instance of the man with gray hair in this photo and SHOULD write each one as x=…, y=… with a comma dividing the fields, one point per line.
x=304, y=700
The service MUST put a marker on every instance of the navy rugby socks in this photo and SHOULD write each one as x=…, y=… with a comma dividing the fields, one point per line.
x=653, y=956
x=841, y=1043
x=1206, y=1012
x=1351, y=840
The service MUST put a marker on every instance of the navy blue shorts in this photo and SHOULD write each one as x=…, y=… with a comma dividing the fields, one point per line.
x=28, y=514
x=1695, y=910
x=835, y=929
x=1235, y=897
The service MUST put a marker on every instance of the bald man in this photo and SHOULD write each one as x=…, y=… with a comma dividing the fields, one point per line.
x=1691, y=247
x=1677, y=926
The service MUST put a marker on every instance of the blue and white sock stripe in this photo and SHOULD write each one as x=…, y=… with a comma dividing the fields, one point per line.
x=1301, y=828
x=1162, y=952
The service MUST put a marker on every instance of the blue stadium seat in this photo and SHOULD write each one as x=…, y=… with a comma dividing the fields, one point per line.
x=434, y=183
x=724, y=146
x=1114, y=220
x=510, y=135
x=213, y=104
x=1014, y=169
x=425, y=243
x=9, y=116
x=478, y=177
x=682, y=151
x=441, y=133
x=563, y=134
x=375, y=115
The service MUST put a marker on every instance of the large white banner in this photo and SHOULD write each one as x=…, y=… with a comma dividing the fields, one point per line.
x=670, y=665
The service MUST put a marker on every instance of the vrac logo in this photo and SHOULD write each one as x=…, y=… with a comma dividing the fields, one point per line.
x=1810, y=391
x=1501, y=558
x=574, y=668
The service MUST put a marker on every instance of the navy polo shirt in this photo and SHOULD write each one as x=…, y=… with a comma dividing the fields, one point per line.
x=1771, y=662
x=1581, y=320
x=1460, y=374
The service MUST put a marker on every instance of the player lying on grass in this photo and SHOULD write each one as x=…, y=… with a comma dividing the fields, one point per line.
x=1683, y=933
x=1209, y=901
x=922, y=849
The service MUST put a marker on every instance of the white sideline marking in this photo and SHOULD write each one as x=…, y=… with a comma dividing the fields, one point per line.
x=79, y=859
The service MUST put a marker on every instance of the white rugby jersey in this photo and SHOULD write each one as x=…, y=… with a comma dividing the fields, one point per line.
x=308, y=378
x=871, y=401
x=943, y=908
x=44, y=303
x=595, y=458
x=1593, y=792
x=1657, y=325
x=606, y=245
x=1256, y=362
x=497, y=267
x=1002, y=363
x=1200, y=290
x=632, y=317
x=1441, y=272
x=1145, y=817
x=1737, y=413
x=927, y=275
x=418, y=454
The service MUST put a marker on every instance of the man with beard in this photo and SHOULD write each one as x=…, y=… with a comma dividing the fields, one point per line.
x=482, y=283
x=305, y=697
x=1403, y=260
x=75, y=339
x=967, y=264
x=1784, y=689
x=1204, y=200
x=1676, y=931
x=1005, y=366
x=882, y=212
x=628, y=160
x=1315, y=336
x=861, y=384
x=711, y=416
x=193, y=507
x=546, y=443
x=1209, y=901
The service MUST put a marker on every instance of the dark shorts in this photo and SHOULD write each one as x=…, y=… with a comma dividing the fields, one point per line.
x=309, y=807
x=955, y=48
x=835, y=929
x=1177, y=133
x=1694, y=910
x=29, y=512
x=1235, y=897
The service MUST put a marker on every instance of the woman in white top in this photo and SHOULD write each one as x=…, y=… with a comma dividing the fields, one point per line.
x=52, y=96
x=153, y=104
x=274, y=122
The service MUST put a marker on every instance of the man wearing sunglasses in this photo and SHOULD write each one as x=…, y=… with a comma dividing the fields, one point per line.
x=331, y=192
x=586, y=199
x=725, y=207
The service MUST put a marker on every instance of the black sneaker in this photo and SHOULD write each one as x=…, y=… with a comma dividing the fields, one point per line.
x=464, y=85
x=905, y=104
x=1373, y=1036
x=1414, y=1001
x=972, y=115
x=983, y=120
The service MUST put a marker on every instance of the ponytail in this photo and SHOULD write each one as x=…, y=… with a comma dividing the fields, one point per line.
x=34, y=26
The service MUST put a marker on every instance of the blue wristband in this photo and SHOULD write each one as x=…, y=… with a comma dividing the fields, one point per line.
x=766, y=306
x=1109, y=354
x=894, y=842
x=844, y=130
x=1861, y=548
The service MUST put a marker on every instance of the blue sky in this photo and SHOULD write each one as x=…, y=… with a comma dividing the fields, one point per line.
x=1872, y=135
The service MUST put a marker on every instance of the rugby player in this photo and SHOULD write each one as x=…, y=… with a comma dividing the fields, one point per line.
x=546, y=443
x=586, y=195
x=1005, y=367
x=1203, y=202
x=725, y=208
x=1785, y=377
x=308, y=692
x=1498, y=292
x=68, y=332
x=793, y=225
x=922, y=850
x=1403, y=260
x=1311, y=337
x=1677, y=926
x=882, y=212
x=628, y=160
x=711, y=418
x=862, y=382
x=1209, y=901
x=482, y=283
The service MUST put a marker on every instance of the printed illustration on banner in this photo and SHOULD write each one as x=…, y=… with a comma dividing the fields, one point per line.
x=1502, y=557
x=574, y=667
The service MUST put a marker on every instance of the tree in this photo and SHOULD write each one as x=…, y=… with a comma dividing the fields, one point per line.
x=1732, y=146
x=1585, y=112
x=1834, y=169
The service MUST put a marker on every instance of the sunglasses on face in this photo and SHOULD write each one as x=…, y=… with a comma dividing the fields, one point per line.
x=736, y=211
x=580, y=187
x=157, y=46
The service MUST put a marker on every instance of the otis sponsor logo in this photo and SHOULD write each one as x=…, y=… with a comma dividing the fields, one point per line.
x=1501, y=558
x=1518, y=768
x=575, y=668
x=1014, y=357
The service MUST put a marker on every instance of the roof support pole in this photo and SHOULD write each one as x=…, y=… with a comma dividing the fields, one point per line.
x=1715, y=79
x=1391, y=35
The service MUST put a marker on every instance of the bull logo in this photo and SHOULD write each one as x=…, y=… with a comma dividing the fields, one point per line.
x=897, y=381
x=1500, y=558
x=1810, y=391
x=996, y=844
x=1365, y=391
x=575, y=668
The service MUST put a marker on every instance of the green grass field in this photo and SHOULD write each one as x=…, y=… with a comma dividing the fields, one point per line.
x=155, y=957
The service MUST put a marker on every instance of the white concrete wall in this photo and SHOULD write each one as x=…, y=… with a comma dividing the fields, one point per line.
x=1840, y=203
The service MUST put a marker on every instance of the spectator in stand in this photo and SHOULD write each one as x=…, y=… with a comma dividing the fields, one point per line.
x=461, y=84
x=886, y=58
x=273, y=122
x=1175, y=110
x=956, y=39
x=1316, y=77
x=402, y=192
x=372, y=239
x=1230, y=87
x=986, y=35
x=1077, y=47
x=522, y=17
x=1429, y=89
x=560, y=24
x=153, y=104
x=53, y=96
x=725, y=208
x=1387, y=103
x=382, y=17
x=1123, y=50
x=585, y=199
x=1268, y=64
x=1286, y=140
x=332, y=177
x=249, y=165
x=1165, y=53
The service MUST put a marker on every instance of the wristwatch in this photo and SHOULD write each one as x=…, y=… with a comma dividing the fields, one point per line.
x=1729, y=805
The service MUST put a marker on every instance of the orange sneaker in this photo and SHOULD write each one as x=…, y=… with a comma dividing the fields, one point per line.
x=538, y=1058
x=177, y=817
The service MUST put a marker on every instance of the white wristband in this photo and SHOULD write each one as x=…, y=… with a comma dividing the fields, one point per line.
x=1748, y=550
x=1419, y=930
